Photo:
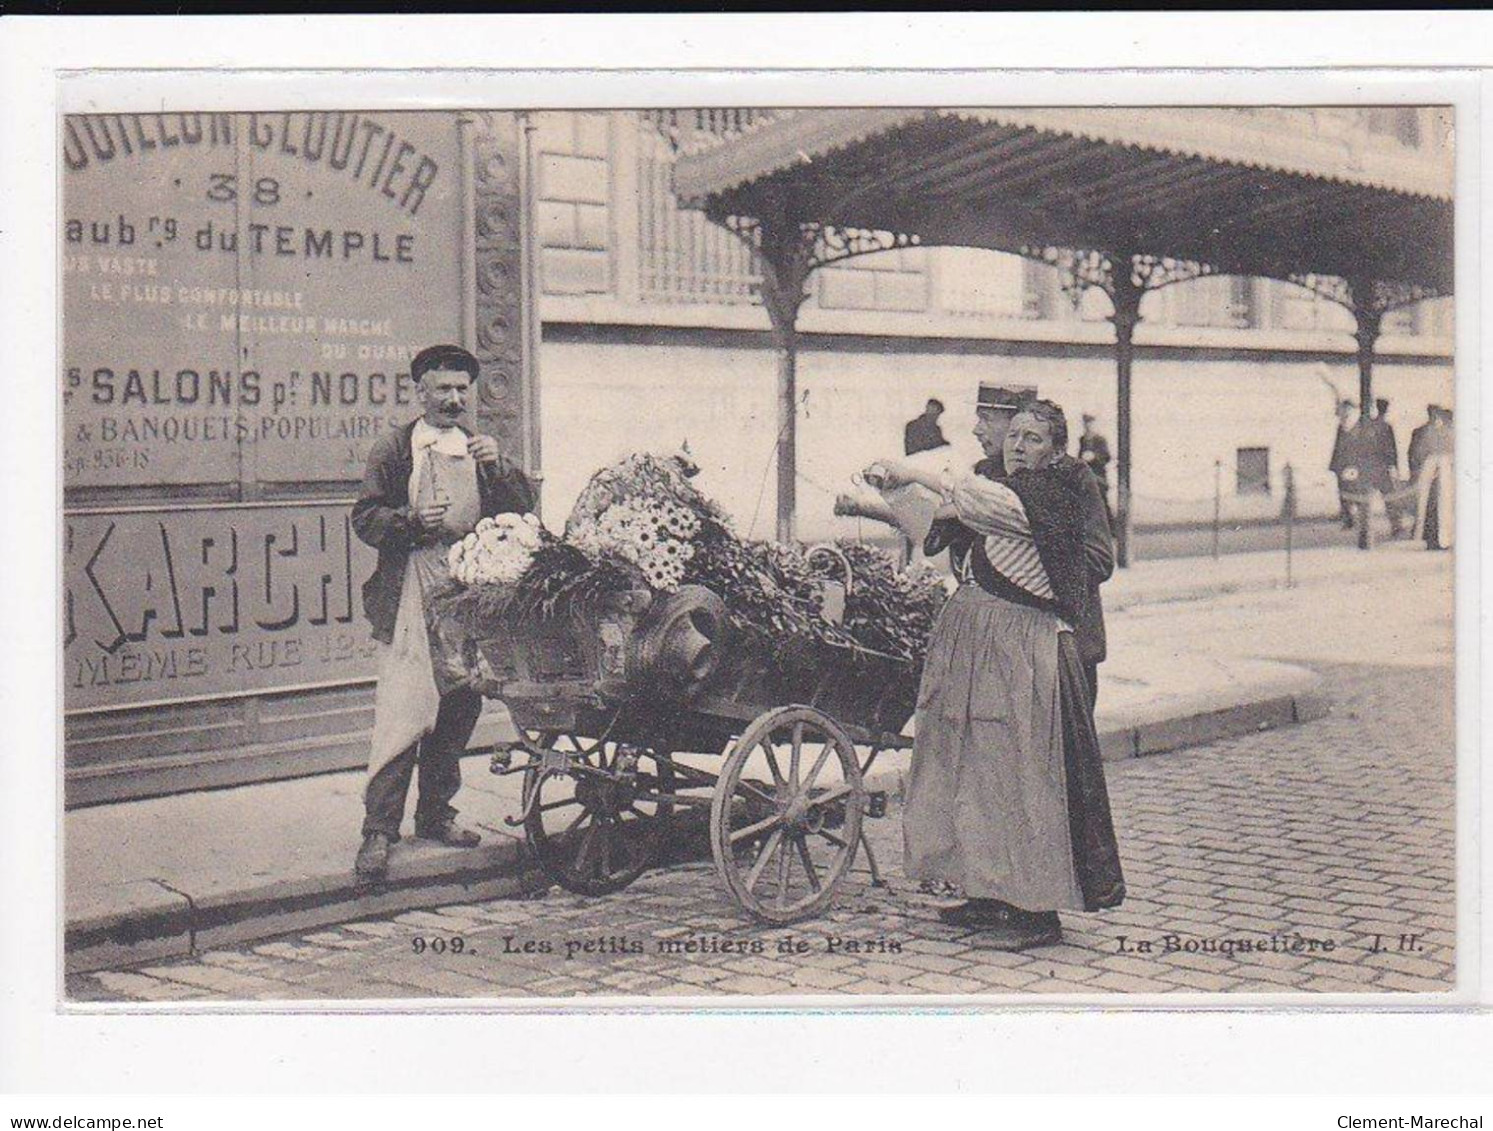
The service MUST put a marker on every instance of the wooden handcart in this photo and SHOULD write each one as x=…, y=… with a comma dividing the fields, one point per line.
x=623, y=706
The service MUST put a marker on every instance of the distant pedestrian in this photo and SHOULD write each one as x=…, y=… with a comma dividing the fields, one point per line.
x=1093, y=449
x=1430, y=460
x=1385, y=466
x=1341, y=455
x=922, y=433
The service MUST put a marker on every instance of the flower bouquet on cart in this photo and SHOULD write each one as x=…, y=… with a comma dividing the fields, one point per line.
x=640, y=526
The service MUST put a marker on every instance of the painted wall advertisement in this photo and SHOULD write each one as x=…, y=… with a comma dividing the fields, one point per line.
x=242, y=297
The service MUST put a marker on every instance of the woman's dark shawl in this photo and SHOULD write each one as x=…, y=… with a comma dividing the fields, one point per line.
x=1053, y=499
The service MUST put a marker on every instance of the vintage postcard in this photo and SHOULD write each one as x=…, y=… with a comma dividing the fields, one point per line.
x=941, y=553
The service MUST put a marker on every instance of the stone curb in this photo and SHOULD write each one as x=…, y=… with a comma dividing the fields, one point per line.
x=147, y=921
x=1206, y=589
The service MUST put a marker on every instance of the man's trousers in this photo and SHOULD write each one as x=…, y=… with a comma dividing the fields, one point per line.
x=439, y=757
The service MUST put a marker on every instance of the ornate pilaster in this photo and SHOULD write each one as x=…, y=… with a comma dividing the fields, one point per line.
x=500, y=302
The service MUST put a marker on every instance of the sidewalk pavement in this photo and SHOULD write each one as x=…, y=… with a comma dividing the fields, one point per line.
x=169, y=876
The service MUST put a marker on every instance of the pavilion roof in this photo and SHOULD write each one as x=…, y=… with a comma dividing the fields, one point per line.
x=1257, y=192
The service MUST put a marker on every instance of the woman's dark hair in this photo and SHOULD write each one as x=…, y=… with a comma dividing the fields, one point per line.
x=451, y=358
x=1057, y=422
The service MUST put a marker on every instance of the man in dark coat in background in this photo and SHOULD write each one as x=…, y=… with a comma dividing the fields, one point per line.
x=922, y=433
x=1429, y=457
x=1385, y=465
x=1093, y=449
x=1341, y=455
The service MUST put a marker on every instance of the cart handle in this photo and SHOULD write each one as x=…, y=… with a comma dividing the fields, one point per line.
x=831, y=550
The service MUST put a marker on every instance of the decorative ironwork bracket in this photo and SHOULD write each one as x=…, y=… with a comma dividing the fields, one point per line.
x=1083, y=268
x=1370, y=297
x=785, y=254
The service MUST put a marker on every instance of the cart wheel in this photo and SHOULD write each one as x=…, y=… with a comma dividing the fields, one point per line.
x=784, y=845
x=598, y=827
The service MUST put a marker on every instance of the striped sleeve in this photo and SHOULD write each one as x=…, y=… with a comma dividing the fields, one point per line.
x=987, y=507
x=994, y=510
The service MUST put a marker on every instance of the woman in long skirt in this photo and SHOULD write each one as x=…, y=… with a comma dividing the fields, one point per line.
x=1006, y=798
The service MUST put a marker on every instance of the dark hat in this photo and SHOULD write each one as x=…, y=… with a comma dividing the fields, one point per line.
x=1381, y=402
x=1005, y=397
x=453, y=358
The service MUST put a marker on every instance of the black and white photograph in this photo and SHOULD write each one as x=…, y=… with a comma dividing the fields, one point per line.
x=742, y=553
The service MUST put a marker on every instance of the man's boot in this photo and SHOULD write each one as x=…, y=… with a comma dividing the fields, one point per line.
x=373, y=858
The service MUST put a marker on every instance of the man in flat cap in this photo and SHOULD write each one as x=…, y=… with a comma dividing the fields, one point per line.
x=426, y=486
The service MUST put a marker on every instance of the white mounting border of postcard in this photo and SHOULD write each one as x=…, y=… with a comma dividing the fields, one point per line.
x=248, y=89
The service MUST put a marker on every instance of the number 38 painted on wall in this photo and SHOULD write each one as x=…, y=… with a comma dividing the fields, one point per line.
x=223, y=188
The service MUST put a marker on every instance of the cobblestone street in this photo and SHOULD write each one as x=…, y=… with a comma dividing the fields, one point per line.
x=1314, y=859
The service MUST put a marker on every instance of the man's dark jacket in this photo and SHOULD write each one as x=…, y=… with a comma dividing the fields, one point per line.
x=382, y=517
x=922, y=434
x=1098, y=554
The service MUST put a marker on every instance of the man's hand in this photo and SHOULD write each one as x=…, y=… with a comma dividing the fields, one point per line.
x=430, y=515
x=484, y=449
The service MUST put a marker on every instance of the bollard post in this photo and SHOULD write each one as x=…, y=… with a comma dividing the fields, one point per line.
x=1290, y=521
x=1217, y=502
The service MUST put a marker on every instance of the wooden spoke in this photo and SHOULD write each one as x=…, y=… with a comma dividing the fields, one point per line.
x=838, y=842
x=808, y=861
x=773, y=843
x=798, y=749
x=583, y=857
x=772, y=762
x=575, y=824
x=818, y=765
x=833, y=793
x=760, y=827
x=757, y=792
x=550, y=806
x=783, y=862
x=606, y=850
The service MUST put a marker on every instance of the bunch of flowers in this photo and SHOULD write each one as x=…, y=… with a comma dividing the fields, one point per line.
x=497, y=552
x=891, y=610
x=654, y=534
x=642, y=475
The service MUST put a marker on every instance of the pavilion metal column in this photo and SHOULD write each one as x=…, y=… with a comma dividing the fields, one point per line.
x=1126, y=294
x=785, y=268
x=1370, y=321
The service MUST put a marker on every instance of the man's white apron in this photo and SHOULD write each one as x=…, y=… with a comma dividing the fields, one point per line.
x=406, y=701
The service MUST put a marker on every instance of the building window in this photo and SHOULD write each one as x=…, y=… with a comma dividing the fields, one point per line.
x=1252, y=476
